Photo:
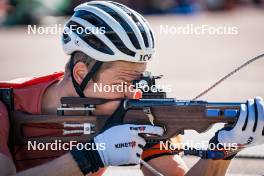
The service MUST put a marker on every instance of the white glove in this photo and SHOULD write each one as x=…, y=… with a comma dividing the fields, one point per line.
x=249, y=129
x=123, y=145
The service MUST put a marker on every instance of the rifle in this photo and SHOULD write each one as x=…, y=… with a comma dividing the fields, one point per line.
x=154, y=108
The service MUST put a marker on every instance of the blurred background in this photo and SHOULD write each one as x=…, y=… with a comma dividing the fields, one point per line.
x=189, y=62
x=14, y=12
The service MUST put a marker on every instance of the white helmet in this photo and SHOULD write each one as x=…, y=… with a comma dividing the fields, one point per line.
x=109, y=31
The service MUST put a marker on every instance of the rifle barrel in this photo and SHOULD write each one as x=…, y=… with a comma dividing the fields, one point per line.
x=139, y=103
x=213, y=109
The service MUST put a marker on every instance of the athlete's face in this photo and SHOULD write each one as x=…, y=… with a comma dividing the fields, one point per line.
x=114, y=82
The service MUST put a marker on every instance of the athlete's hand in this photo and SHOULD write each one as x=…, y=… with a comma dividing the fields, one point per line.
x=123, y=145
x=249, y=129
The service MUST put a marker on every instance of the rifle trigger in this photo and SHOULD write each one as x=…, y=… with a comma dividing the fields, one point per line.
x=148, y=112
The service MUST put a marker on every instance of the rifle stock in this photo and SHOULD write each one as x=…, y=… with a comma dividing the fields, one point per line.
x=175, y=116
x=176, y=119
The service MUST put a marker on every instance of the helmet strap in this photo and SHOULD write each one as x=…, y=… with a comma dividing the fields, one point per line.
x=80, y=88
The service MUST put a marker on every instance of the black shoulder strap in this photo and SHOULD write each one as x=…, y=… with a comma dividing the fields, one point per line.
x=116, y=118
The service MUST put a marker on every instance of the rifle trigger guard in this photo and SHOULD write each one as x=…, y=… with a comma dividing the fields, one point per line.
x=148, y=112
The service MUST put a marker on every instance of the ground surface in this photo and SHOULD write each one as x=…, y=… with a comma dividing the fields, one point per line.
x=190, y=64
